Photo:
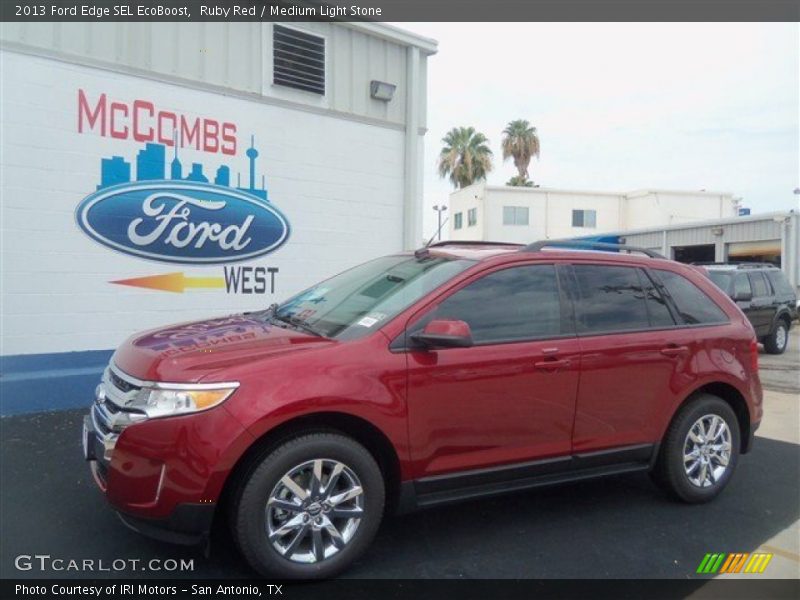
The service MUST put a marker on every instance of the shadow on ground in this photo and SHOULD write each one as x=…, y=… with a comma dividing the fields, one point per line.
x=613, y=528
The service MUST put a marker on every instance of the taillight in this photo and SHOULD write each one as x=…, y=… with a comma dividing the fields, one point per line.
x=754, y=355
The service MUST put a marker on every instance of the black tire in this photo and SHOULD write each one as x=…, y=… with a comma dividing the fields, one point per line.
x=248, y=516
x=669, y=471
x=778, y=339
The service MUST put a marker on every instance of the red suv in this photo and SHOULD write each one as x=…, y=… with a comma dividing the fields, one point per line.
x=458, y=371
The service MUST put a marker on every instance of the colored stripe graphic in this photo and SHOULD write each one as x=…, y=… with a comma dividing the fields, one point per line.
x=173, y=282
x=758, y=563
x=711, y=563
x=723, y=563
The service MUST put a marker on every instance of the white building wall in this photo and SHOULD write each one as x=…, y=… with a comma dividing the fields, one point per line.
x=659, y=208
x=339, y=182
x=550, y=211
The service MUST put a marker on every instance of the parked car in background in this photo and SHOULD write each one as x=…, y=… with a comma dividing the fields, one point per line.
x=764, y=294
x=457, y=371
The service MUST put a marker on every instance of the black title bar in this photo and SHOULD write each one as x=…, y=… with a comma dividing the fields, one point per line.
x=401, y=10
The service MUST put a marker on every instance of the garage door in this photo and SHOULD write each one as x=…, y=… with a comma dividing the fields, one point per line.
x=766, y=250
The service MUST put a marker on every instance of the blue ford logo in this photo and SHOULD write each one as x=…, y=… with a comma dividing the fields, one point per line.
x=182, y=222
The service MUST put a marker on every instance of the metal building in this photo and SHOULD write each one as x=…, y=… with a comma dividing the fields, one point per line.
x=769, y=237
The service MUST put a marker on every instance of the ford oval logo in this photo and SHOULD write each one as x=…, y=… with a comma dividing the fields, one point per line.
x=182, y=222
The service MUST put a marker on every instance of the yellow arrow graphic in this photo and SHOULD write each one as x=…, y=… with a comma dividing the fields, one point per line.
x=172, y=282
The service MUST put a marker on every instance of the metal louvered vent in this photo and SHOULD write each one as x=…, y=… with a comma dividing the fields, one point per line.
x=298, y=60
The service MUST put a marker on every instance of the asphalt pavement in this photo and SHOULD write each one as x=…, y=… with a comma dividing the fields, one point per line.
x=781, y=372
x=615, y=528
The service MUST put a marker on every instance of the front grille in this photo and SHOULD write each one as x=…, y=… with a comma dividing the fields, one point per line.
x=121, y=384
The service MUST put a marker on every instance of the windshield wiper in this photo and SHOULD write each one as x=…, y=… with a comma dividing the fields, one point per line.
x=296, y=322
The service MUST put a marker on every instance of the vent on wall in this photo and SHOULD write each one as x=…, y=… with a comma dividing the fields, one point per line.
x=298, y=60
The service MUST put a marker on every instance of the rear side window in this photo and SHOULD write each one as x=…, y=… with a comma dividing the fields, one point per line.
x=780, y=283
x=741, y=285
x=509, y=305
x=610, y=299
x=694, y=307
x=760, y=288
x=657, y=309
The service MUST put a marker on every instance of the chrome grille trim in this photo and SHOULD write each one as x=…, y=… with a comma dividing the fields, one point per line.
x=163, y=385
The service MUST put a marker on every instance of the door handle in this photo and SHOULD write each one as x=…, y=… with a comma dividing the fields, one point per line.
x=675, y=350
x=552, y=365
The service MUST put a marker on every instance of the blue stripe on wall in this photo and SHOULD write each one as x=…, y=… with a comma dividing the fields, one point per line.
x=41, y=382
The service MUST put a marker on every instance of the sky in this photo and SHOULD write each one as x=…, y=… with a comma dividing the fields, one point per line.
x=624, y=106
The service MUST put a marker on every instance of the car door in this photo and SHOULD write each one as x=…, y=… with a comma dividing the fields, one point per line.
x=761, y=306
x=630, y=355
x=743, y=296
x=511, y=396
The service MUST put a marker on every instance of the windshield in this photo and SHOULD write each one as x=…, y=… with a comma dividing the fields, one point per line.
x=360, y=300
x=721, y=278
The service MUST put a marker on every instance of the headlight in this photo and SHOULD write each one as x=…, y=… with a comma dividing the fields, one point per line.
x=163, y=402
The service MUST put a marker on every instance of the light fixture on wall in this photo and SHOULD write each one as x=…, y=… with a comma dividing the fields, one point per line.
x=380, y=90
x=717, y=231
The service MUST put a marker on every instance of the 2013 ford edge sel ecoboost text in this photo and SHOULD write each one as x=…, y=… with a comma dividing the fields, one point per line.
x=457, y=371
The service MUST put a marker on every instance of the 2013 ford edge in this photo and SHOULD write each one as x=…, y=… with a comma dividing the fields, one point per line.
x=458, y=371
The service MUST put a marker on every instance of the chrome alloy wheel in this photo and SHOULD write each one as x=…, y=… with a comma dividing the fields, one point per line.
x=707, y=450
x=780, y=337
x=314, y=510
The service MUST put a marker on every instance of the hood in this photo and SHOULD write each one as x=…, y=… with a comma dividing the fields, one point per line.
x=189, y=352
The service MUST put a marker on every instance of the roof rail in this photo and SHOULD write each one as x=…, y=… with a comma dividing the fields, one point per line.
x=741, y=265
x=471, y=243
x=589, y=245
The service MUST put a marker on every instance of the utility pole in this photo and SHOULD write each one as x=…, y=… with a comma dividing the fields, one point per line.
x=439, y=210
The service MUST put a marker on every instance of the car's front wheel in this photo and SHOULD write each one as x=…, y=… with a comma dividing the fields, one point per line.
x=700, y=450
x=310, y=508
x=776, y=342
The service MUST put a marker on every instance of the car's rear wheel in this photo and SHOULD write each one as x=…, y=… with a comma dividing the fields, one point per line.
x=700, y=450
x=310, y=508
x=777, y=340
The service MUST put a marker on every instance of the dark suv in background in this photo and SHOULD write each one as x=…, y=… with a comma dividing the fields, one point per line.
x=763, y=293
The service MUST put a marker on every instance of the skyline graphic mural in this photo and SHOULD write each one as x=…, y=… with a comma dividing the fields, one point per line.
x=151, y=165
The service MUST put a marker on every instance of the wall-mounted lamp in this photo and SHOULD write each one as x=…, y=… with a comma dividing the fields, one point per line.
x=717, y=231
x=380, y=90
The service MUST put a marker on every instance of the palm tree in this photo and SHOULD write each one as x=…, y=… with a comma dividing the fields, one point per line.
x=521, y=142
x=517, y=181
x=465, y=157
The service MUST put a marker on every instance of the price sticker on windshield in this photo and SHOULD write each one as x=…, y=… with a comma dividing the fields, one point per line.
x=371, y=319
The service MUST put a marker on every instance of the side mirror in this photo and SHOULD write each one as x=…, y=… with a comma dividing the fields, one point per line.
x=442, y=333
x=742, y=296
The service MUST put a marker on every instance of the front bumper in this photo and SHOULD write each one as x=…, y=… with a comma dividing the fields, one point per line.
x=188, y=524
x=162, y=475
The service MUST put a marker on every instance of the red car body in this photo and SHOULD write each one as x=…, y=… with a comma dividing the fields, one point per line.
x=551, y=409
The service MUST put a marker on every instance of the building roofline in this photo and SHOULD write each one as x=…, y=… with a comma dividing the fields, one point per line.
x=706, y=223
x=395, y=34
x=628, y=194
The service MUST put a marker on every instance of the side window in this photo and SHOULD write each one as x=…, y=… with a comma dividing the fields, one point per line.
x=657, y=309
x=779, y=282
x=759, y=284
x=694, y=307
x=458, y=220
x=610, y=299
x=741, y=284
x=509, y=305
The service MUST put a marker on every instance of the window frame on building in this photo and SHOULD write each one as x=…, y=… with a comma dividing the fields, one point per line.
x=583, y=212
x=472, y=217
x=516, y=216
x=458, y=220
